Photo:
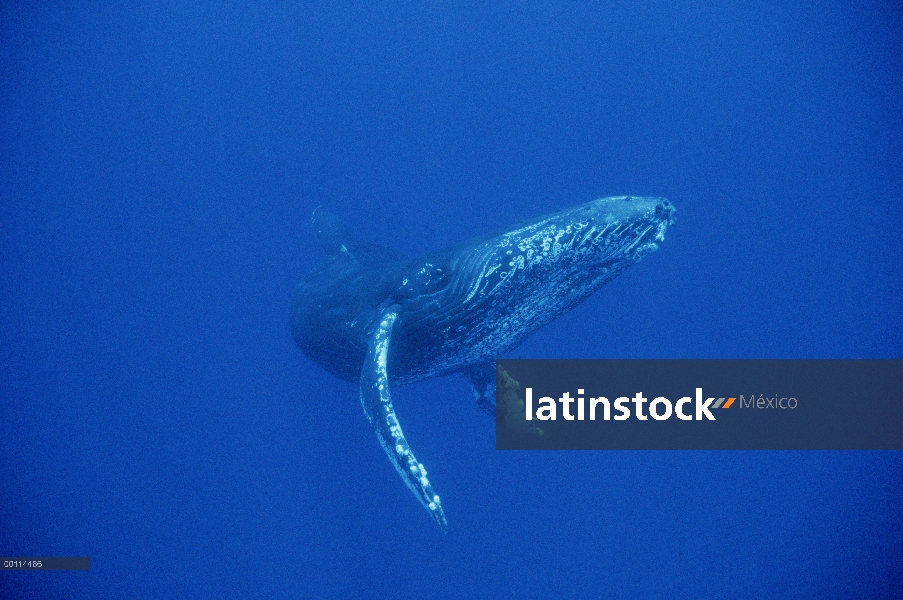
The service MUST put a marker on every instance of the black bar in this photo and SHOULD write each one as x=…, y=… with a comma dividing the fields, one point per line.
x=45, y=563
x=798, y=404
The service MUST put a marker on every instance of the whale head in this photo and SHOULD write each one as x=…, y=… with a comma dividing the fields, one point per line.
x=491, y=293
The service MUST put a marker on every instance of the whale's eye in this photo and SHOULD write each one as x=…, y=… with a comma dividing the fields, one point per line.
x=427, y=279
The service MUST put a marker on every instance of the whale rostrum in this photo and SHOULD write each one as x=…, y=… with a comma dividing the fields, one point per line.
x=371, y=315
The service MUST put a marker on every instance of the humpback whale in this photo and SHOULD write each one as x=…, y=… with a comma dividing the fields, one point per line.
x=371, y=315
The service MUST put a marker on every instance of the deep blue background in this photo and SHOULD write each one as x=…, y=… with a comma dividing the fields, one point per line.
x=158, y=166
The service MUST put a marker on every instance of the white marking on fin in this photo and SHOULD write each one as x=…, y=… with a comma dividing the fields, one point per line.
x=376, y=401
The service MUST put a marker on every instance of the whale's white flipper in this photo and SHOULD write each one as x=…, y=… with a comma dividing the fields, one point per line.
x=377, y=402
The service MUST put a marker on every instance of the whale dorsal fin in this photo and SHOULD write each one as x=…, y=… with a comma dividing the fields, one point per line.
x=377, y=402
x=338, y=243
x=331, y=233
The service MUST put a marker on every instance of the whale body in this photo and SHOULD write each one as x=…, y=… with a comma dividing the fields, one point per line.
x=370, y=315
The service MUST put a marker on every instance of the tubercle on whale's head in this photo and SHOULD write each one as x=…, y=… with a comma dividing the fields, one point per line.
x=644, y=217
x=638, y=222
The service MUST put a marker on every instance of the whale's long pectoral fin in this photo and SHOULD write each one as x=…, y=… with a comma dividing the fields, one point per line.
x=482, y=378
x=377, y=402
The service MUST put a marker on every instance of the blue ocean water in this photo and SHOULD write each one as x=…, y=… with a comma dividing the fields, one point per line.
x=158, y=166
